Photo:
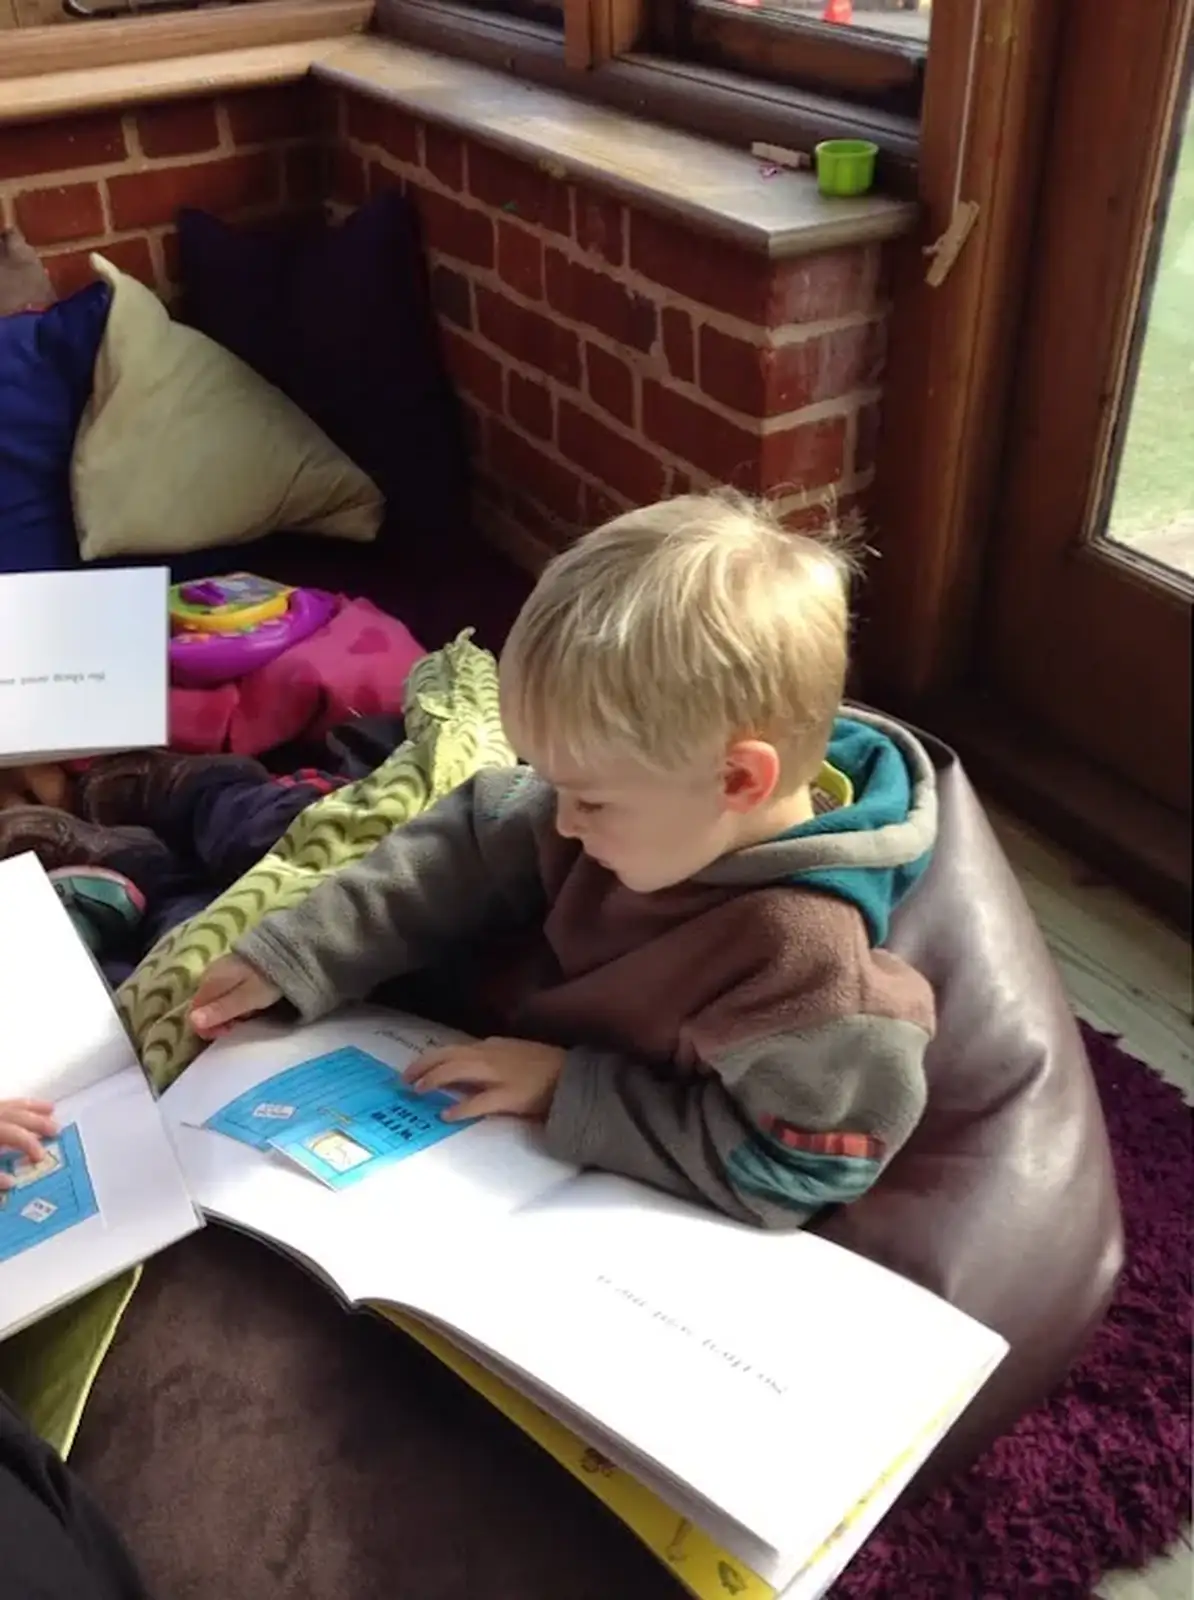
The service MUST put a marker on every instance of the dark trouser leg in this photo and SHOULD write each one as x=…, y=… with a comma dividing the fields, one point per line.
x=55, y=1543
x=222, y=813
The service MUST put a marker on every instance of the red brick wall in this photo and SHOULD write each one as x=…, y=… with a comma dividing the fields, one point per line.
x=113, y=182
x=607, y=357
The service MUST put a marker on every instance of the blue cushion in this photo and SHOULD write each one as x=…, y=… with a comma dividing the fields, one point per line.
x=46, y=363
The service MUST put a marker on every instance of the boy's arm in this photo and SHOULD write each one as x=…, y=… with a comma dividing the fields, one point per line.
x=465, y=867
x=774, y=1130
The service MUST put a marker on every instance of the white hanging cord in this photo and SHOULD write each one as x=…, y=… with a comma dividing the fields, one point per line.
x=944, y=251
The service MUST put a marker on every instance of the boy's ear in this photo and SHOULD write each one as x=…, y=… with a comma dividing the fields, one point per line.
x=750, y=775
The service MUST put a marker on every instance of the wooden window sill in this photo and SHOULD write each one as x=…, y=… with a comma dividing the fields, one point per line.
x=711, y=187
x=54, y=71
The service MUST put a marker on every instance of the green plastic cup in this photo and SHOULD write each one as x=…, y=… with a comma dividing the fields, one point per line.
x=845, y=166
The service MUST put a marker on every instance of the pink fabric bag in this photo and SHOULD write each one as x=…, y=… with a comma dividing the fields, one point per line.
x=355, y=665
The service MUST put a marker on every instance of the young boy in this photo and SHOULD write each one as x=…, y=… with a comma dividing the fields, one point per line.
x=698, y=899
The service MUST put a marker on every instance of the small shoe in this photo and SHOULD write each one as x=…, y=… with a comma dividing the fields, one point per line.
x=105, y=906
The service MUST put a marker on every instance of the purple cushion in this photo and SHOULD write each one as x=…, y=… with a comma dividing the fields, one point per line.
x=339, y=319
x=46, y=363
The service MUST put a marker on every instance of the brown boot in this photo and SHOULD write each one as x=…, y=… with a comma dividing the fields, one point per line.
x=59, y=839
x=137, y=787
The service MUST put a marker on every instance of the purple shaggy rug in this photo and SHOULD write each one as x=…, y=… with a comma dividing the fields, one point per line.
x=1099, y=1477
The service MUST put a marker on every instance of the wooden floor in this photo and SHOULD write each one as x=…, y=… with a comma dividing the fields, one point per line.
x=1130, y=975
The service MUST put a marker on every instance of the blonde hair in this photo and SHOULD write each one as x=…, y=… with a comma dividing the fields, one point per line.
x=693, y=622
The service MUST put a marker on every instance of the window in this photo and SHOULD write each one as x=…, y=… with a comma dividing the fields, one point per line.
x=786, y=72
x=872, y=54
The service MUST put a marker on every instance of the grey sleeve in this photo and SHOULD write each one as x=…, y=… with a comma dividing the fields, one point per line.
x=465, y=868
x=773, y=1132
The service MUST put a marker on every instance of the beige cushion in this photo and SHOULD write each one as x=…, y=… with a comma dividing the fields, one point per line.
x=183, y=446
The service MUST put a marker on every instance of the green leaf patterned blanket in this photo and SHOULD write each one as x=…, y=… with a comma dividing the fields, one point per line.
x=453, y=730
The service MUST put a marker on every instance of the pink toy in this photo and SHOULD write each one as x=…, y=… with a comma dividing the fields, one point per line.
x=356, y=664
x=200, y=660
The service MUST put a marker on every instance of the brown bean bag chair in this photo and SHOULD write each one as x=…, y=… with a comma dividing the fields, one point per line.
x=255, y=1443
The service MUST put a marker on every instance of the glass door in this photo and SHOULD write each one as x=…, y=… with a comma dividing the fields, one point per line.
x=1088, y=594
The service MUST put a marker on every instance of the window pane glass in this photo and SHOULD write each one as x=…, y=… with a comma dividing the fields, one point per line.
x=901, y=19
x=1152, y=509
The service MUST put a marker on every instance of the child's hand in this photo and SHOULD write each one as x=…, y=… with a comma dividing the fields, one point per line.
x=511, y=1077
x=23, y=1125
x=230, y=989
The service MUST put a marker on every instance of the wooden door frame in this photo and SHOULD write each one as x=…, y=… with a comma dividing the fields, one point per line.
x=950, y=371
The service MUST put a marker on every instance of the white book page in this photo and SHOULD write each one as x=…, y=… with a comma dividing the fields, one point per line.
x=59, y=1029
x=117, y=1196
x=814, y=1578
x=83, y=662
x=364, y=1238
x=775, y=1377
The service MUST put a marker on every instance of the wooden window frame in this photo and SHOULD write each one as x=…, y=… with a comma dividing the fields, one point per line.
x=604, y=52
x=858, y=65
x=124, y=41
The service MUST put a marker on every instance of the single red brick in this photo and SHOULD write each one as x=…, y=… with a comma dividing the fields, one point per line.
x=443, y=155
x=610, y=383
x=234, y=183
x=171, y=256
x=348, y=180
x=679, y=346
x=305, y=168
x=835, y=283
x=71, y=269
x=599, y=226
x=264, y=116
x=382, y=179
x=385, y=127
x=723, y=449
x=178, y=127
x=452, y=296
x=55, y=216
x=327, y=111
x=535, y=340
x=60, y=145
x=514, y=460
x=700, y=267
x=455, y=230
x=476, y=373
x=586, y=295
x=520, y=259
x=764, y=380
x=829, y=510
x=523, y=191
x=476, y=430
x=601, y=505
x=547, y=530
x=616, y=460
x=808, y=456
x=866, y=437
x=529, y=404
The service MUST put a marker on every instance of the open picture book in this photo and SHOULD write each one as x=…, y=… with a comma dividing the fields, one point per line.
x=750, y=1404
x=109, y=1190
x=775, y=1391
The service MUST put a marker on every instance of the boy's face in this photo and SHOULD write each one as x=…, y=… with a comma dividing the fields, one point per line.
x=650, y=830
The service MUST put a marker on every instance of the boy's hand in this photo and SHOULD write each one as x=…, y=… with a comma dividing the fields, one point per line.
x=230, y=990
x=23, y=1125
x=509, y=1077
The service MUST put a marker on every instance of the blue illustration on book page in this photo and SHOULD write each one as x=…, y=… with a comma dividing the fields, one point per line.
x=339, y=1116
x=48, y=1196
